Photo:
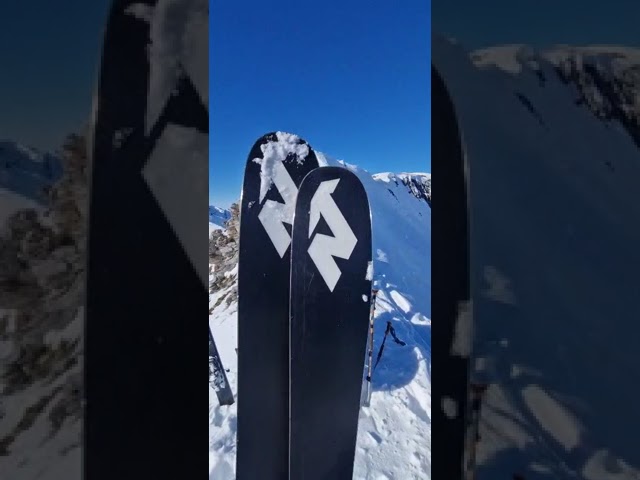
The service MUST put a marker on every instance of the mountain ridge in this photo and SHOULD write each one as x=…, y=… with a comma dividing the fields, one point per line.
x=218, y=216
x=606, y=78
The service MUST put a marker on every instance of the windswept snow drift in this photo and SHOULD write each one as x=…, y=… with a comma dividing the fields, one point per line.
x=554, y=165
x=394, y=432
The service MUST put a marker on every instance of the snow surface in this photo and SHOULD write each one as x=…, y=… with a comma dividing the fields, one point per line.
x=395, y=430
x=36, y=452
x=213, y=226
x=11, y=202
x=217, y=217
x=555, y=261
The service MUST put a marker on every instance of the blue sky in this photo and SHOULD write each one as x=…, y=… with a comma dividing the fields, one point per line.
x=539, y=23
x=49, y=53
x=351, y=77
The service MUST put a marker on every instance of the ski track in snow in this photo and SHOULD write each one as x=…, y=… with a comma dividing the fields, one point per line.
x=394, y=432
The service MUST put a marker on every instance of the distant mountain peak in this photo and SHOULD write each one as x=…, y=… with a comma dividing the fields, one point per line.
x=417, y=183
x=218, y=216
x=27, y=171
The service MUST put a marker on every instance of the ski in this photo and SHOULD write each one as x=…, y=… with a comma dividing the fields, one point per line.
x=452, y=322
x=331, y=273
x=217, y=376
x=276, y=165
x=147, y=242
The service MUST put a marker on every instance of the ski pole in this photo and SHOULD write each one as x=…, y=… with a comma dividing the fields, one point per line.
x=217, y=376
x=370, y=361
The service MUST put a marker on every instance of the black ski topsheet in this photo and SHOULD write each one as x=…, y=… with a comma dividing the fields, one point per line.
x=275, y=168
x=146, y=278
x=331, y=273
x=451, y=290
x=217, y=376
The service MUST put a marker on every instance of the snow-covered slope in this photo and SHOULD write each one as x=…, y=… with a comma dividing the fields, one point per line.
x=419, y=184
x=394, y=432
x=27, y=172
x=217, y=218
x=42, y=293
x=554, y=165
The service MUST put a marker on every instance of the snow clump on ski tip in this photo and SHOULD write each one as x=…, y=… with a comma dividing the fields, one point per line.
x=277, y=151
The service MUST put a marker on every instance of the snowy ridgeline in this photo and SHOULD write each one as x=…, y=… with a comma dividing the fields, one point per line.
x=394, y=432
x=552, y=143
x=217, y=218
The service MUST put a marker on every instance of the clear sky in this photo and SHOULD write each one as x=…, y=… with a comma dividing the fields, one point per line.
x=351, y=77
x=539, y=23
x=49, y=54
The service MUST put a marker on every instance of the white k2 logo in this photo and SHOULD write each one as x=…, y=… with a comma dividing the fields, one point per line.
x=323, y=247
x=274, y=214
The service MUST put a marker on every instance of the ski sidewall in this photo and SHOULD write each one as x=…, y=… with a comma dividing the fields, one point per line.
x=329, y=322
x=263, y=322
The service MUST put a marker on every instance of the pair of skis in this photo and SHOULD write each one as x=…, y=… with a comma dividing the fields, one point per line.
x=304, y=292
